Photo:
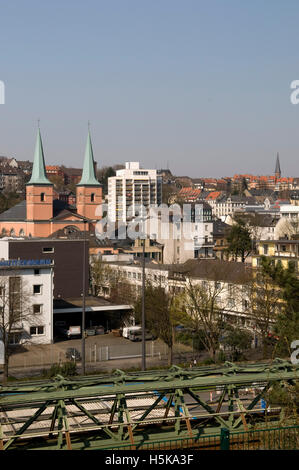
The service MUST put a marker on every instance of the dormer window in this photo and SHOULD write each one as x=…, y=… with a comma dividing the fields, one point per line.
x=42, y=197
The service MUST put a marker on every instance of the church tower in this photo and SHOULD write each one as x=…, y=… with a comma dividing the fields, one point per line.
x=39, y=190
x=89, y=190
x=277, y=168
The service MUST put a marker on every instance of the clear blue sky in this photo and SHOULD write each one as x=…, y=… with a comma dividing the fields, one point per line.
x=203, y=85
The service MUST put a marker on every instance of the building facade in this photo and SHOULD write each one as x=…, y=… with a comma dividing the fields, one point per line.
x=130, y=189
x=42, y=214
x=26, y=292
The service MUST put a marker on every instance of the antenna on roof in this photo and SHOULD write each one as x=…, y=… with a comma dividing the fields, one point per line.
x=38, y=123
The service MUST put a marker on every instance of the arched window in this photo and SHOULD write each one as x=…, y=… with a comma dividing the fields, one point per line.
x=12, y=232
x=4, y=232
x=42, y=197
x=92, y=197
x=21, y=233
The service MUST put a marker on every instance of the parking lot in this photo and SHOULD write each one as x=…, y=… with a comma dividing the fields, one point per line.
x=102, y=352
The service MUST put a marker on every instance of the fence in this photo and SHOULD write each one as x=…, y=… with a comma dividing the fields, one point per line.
x=280, y=438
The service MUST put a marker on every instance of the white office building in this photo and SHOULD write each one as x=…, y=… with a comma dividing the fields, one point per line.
x=26, y=298
x=130, y=189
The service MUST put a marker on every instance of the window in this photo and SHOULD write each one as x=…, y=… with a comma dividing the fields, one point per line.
x=37, y=308
x=48, y=249
x=265, y=249
x=14, y=338
x=36, y=272
x=37, y=289
x=42, y=197
x=92, y=197
x=36, y=330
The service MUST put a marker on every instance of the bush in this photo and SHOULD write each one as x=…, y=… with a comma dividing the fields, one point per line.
x=66, y=369
x=190, y=339
x=221, y=357
x=208, y=361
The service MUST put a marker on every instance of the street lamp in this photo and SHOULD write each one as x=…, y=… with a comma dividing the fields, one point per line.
x=83, y=300
x=143, y=364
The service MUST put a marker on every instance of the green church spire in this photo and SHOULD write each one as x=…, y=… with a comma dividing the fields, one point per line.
x=38, y=175
x=88, y=173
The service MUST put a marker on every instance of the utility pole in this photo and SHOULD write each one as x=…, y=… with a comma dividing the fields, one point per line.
x=143, y=365
x=83, y=301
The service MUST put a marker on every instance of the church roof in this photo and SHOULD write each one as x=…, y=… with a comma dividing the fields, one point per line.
x=38, y=175
x=277, y=166
x=88, y=173
x=17, y=212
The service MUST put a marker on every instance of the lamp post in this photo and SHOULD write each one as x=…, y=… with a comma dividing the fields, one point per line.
x=83, y=301
x=143, y=364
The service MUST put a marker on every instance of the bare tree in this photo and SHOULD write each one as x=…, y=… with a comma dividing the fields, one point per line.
x=204, y=312
x=264, y=302
x=287, y=227
x=208, y=304
x=160, y=308
x=15, y=311
x=112, y=283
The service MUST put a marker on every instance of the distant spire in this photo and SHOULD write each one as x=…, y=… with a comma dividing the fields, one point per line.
x=88, y=173
x=277, y=167
x=38, y=175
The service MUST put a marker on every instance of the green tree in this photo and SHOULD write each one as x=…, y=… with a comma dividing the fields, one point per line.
x=237, y=340
x=239, y=240
x=103, y=174
x=287, y=325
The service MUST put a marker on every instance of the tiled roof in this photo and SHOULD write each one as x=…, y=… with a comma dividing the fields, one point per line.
x=17, y=212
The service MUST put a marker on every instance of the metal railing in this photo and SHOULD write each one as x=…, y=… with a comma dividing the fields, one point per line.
x=279, y=438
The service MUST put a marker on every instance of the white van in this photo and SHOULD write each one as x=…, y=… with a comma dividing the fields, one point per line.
x=129, y=330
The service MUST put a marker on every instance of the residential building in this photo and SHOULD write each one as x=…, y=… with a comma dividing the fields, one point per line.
x=229, y=278
x=26, y=291
x=131, y=189
x=65, y=255
x=284, y=251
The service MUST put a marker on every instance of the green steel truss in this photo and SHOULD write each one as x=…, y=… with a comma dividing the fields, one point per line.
x=138, y=408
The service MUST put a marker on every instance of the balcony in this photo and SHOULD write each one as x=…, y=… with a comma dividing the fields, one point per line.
x=289, y=254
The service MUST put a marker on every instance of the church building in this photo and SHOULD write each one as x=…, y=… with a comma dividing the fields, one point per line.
x=40, y=215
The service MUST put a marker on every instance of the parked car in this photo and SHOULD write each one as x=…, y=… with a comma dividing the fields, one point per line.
x=137, y=335
x=100, y=330
x=129, y=330
x=91, y=331
x=73, y=354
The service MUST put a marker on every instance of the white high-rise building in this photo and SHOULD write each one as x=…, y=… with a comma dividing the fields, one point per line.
x=131, y=188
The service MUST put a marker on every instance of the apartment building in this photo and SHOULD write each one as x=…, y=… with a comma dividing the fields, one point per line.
x=228, y=279
x=283, y=251
x=130, y=189
x=26, y=292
